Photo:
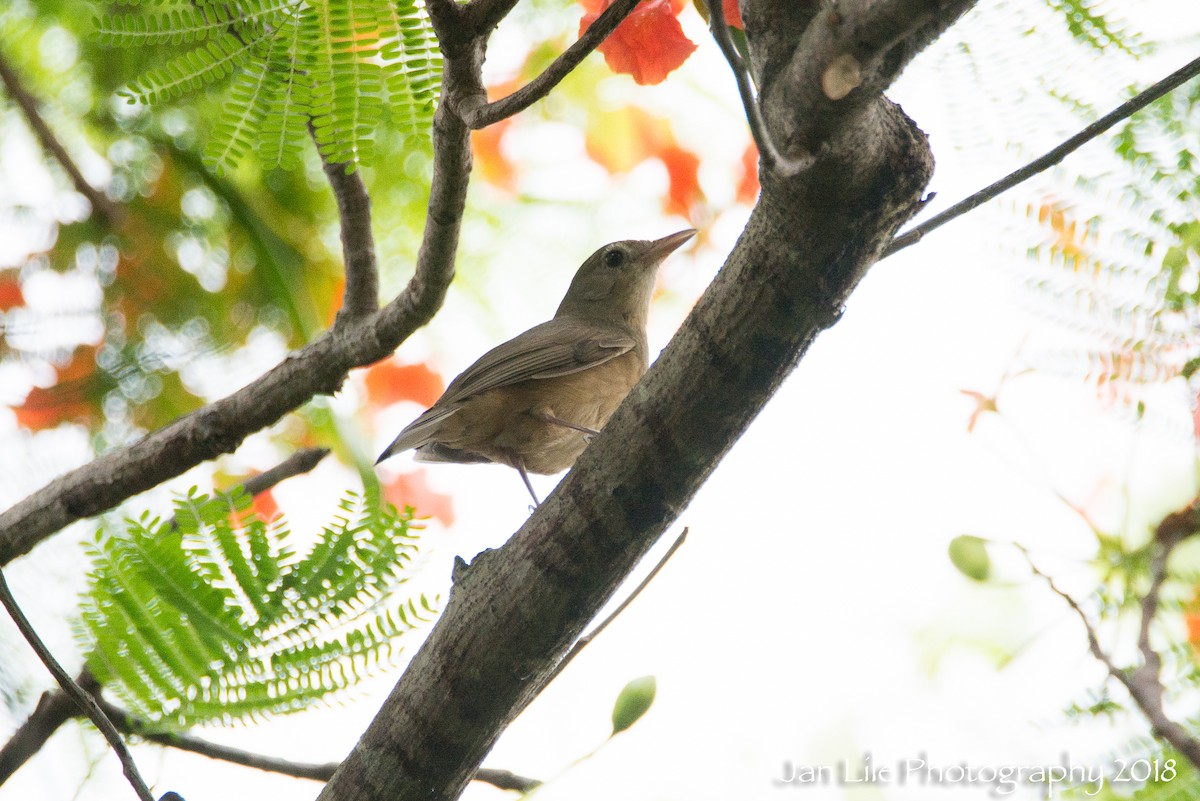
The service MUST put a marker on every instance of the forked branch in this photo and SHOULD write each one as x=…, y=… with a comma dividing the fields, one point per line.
x=477, y=113
x=1144, y=683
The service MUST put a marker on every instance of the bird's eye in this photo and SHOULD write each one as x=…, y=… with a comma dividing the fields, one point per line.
x=614, y=258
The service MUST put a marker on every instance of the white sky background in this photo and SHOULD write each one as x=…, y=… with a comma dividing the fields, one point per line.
x=802, y=619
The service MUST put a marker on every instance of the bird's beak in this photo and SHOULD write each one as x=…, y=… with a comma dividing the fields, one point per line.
x=661, y=248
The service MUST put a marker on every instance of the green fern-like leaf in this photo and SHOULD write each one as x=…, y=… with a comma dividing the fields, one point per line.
x=242, y=116
x=330, y=63
x=1094, y=29
x=212, y=617
x=346, y=90
x=412, y=67
x=286, y=113
x=194, y=69
x=184, y=24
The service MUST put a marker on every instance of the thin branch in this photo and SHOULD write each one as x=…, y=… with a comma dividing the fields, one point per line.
x=361, y=295
x=586, y=639
x=1144, y=684
x=132, y=726
x=773, y=160
x=321, y=772
x=85, y=702
x=1052, y=157
x=477, y=113
x=101, y=204
x=1093, y=641
x=297, y=464
x=54, y=708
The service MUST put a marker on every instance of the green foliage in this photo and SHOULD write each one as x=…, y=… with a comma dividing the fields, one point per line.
x=181, y=24
x=346, y=101
x=1120, y=244
x=333, y=64
x=194, y=69
x=213, y=616
x=634, y=701
x=1091, y=28
x=414, y=77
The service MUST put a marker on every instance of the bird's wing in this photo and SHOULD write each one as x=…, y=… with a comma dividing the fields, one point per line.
x=558, y=347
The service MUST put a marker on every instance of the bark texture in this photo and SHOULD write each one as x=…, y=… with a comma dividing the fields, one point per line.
x=514, y=612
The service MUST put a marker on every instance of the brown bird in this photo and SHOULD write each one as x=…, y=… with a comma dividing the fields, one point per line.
x=534, y=402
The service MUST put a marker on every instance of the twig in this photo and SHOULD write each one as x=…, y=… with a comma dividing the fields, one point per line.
x=85, y=702
x=477, y=113
x=315, y=771
x=773, y=160
x=361, y=295
x=101, y=204
x=1144, y=684
x=1093, y=641
x=54, y=708
x=506, y=780
x=1052, y=157
x=131, y=725
x=586, y=639
x=298, y=463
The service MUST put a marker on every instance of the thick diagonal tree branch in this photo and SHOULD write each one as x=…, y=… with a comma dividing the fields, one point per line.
x=514, y=612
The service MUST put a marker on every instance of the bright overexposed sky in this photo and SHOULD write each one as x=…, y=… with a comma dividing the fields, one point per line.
x=813, y=615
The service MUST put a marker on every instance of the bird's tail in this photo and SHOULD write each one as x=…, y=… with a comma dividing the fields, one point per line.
x=418, y=433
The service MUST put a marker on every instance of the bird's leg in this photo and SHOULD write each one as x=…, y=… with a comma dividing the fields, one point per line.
x=519, y=463
x=545, y=416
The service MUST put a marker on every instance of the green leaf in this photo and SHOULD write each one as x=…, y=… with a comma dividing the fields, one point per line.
x=194, y=69
x=211, y=616
x=184, y=24
x=969, y=554
x=412, y=64
x=289, y=97
x=1090, y=27
x=633, y=702
x=345, y=77
x=241, y=118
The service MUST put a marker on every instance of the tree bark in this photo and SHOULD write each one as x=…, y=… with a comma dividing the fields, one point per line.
x=514, y=612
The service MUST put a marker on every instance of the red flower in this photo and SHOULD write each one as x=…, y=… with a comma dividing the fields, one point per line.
x=648, y=44
x=389, y=382
x=733, y=14
x=10, y=293
x=412, y=489
x=747, y=188
x=683, y=169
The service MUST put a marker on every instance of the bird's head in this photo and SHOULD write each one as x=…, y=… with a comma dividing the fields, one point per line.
x=615, y=282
